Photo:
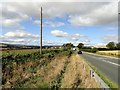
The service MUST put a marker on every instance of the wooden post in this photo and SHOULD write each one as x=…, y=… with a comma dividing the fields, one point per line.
x=41, y=33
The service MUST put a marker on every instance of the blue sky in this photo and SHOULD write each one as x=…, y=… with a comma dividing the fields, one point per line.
x=89, y=23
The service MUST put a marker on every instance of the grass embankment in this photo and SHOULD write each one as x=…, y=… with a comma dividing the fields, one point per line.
x=53, y=69
x=77, y=75
x=114, y=53
x=18, y=68
x=111, y=84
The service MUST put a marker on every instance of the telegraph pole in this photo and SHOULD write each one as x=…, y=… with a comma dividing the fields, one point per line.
x=41, y=33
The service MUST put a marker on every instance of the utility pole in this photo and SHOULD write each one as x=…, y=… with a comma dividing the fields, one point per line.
x=41, y=33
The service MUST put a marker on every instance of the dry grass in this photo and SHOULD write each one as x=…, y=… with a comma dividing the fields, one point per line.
x=46, y=74
x=77, y=75
x=114, y=53
x=53, y=69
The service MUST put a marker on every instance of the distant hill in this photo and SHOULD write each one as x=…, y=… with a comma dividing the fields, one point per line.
x=19, y=46
x=16, y=46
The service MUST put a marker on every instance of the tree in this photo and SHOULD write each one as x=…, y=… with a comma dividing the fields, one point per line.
x=68, y=45
x=111, y=45
x=118, y=46
x=80, y=45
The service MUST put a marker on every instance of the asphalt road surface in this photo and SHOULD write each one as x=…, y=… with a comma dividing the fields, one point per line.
x=106, y=65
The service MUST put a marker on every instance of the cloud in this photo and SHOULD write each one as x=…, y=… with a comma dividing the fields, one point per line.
x=110, y=38
x=111, y=28
x=20, y=34
x=37, y=22
x=10, y=17
x=47, y=42
x=75, y=37
x=10, y=23
x=20, y=37
x=49, y=23
x=53, y=24
x=76, y=13
x=61, y=1
x=80, y=21
x=24, y=38
x=50, y=10
x=105, y=15
x=89, y=13
x=58, y=33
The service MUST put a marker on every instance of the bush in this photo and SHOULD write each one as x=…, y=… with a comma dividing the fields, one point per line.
x=93, y=50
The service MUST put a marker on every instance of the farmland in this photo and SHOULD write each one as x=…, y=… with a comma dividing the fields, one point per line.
x=114, y=53
x=53, y=69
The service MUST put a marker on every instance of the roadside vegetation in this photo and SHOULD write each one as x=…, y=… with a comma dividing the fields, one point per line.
x=17, y=67
x=57, y=68
x=54, y=68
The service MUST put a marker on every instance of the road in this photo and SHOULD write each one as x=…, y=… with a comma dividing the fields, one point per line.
x=106, y=65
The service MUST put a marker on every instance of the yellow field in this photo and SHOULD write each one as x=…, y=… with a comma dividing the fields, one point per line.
x=115, y=53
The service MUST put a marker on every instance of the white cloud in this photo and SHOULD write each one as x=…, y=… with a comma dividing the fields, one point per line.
x=89, y=13
x=85, y=41
x=76, y=13
x=49, y=23
x=10, y=23
x=20, y=37
x=53, y=24
x=105, y=15
x=11, y=17
x=37, y=22
x=75, y=37
x=59, y=33
x=47, y=42
x=60, y=1
x=111, y=28
x=80, y=21
x=20, y=34
x=100, y=44
x=110, y=38
x=49, y=9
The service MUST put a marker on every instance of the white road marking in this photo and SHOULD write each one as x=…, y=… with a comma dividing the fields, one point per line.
x=103, y=59
x=111, y=62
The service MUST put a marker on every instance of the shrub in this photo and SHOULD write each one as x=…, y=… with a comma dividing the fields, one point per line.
x=93, y=50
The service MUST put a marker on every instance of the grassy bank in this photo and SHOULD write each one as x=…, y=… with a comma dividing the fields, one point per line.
x=78, y=76
x=54, y=69
x=17, y=68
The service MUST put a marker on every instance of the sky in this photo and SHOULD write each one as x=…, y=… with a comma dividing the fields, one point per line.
x=91, y=23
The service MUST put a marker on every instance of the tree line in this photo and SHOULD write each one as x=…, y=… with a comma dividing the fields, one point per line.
x=109, y=46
